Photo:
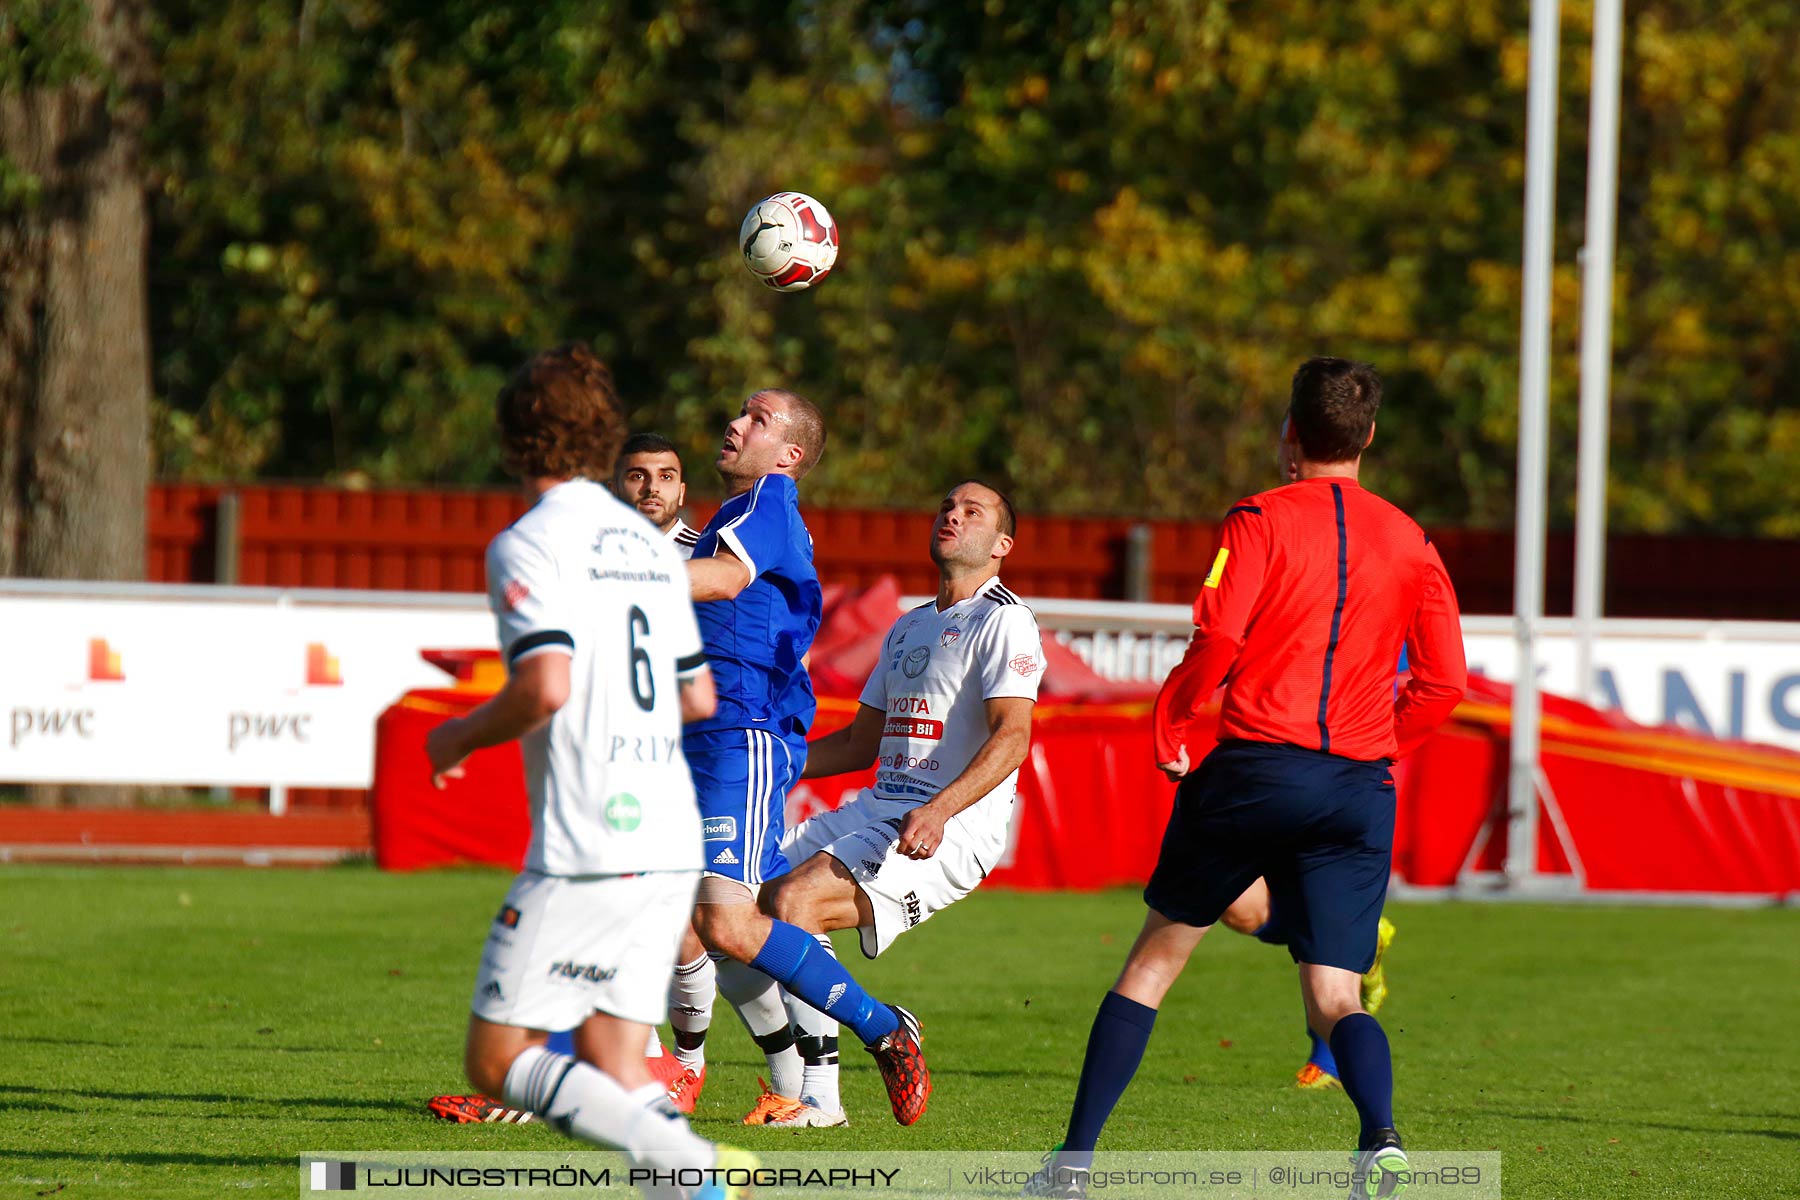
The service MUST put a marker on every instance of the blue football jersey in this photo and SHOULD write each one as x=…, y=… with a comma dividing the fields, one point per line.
x=755, y=642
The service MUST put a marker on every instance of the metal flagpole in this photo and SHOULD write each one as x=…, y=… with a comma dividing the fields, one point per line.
x=1596, y=340
x=1534, y=380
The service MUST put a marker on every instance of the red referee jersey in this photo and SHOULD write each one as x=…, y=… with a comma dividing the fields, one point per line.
x=1314, y=589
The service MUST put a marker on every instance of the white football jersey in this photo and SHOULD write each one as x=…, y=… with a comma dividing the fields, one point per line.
x=683, y=537
x=936, y=670
x=584, y=575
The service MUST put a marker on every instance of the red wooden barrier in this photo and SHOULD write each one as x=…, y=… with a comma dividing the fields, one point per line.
x=432, y=540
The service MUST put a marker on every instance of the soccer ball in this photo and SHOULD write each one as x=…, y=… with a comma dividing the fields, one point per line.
x=789, y=241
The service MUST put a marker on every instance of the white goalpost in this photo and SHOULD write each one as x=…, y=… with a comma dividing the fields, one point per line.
x=1525, y=781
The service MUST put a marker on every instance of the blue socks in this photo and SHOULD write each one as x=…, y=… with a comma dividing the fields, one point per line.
x=793, y=959
x=1320, y=1055
x=562, y=1042
x=1114, y=1050
x=1368, y=1072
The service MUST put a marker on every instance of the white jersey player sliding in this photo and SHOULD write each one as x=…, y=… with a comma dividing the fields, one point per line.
x=604, y=664
x=947, y=716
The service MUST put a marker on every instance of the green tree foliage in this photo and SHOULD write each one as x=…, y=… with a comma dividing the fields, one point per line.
x=1084, y=244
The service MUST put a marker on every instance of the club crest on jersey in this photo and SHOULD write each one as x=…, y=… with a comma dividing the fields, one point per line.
x=948, y=638
x=915, y=662
x=514, y=594
x=1024, y=664
x=718, y=829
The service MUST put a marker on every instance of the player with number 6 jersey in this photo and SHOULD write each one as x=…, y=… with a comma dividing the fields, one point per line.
x=604, y=665
x=609, y=790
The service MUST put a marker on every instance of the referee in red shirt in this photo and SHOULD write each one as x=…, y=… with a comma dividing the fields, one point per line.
x=1315, y=588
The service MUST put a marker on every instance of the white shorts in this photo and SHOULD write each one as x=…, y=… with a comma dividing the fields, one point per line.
x=561, y=950
x=903, y=892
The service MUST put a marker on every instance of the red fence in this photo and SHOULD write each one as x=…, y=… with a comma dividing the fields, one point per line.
x=419, y=540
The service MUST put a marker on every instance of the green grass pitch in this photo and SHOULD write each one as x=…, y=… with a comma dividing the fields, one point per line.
x=188, y=1032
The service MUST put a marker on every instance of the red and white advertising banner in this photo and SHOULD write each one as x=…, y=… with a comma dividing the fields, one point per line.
x=242, y=687
x=185, y=692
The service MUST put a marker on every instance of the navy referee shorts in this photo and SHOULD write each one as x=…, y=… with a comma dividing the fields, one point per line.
x=1318, y=827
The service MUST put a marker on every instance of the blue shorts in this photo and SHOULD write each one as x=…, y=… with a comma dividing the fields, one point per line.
x=741, y=781
x=1318, y=827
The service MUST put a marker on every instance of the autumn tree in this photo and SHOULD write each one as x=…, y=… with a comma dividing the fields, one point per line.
x=1084, y=244
x=74, y=351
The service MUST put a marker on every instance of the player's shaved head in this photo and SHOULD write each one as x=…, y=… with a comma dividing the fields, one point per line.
x=560, y=417
x=1332, y=408
x=806, y=425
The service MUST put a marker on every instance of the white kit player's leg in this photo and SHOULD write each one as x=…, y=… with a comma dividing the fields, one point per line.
x=757, y=1002
x=816, y=1036
x=691, y=993
x=584, y=1102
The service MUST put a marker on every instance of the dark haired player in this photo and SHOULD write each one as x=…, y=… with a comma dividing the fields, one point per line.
x=946, y=714
x=1315, y=588
x=648, y=476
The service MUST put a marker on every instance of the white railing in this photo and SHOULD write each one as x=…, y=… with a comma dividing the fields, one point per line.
x=223, y=686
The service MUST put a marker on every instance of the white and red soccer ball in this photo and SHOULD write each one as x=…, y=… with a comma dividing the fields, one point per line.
x=789, y=241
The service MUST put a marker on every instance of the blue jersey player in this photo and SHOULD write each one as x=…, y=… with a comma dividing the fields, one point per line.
x=758, y=602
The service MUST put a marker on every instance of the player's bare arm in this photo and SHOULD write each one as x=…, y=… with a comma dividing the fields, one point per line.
x=852, y=748
x=1009, y=737
x=699, y=698
x=718, y=577
x=536, y=688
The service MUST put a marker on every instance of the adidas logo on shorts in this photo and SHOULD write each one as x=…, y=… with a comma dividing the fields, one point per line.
x=725, y=857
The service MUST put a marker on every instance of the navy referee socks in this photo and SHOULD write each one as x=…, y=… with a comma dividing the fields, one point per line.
x=1367, y=1073
x=1114, y=1050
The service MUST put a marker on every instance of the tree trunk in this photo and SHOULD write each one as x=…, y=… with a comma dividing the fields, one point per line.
x=74, y=341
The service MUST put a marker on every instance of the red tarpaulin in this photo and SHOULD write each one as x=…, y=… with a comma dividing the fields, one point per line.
x=1628, y=808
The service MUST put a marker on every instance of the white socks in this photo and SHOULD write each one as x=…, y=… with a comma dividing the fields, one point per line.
x=816, y=1036
x=691, y=993
x=584, y=1102
x=758, y=1004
